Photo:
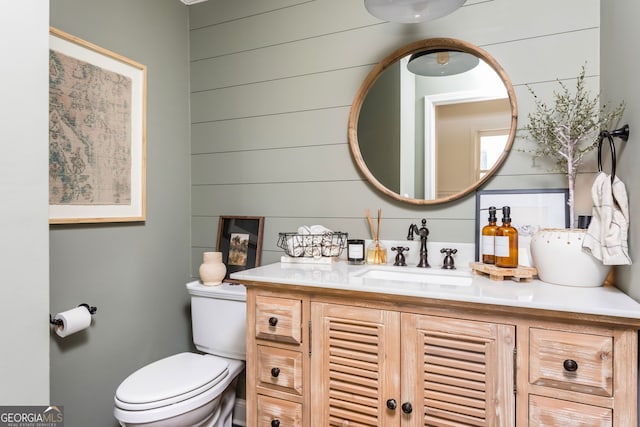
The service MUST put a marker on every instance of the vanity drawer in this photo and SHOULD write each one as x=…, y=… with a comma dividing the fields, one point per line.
x=278, y=413
x=571, y=361
x=280, y=369
x=547, y=412
x=278, y=319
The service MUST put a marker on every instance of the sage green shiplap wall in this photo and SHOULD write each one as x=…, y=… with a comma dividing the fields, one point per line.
x=271, y=88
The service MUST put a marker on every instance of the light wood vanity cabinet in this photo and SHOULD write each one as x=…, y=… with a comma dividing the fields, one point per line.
x=319, y=357
x=275, y=361
x=582, y=375
x=380, y=367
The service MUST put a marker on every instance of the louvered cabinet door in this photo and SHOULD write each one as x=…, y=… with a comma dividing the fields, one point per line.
x=355, y=362
x=457, y=372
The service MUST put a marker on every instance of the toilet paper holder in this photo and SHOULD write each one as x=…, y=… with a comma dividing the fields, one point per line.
x=58, y=322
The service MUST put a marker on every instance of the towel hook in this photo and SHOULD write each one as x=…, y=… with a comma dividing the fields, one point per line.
x=623, y=134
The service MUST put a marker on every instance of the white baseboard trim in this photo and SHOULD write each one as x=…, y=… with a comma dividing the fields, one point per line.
x=240, y=413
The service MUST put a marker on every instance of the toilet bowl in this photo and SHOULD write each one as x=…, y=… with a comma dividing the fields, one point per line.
x=192, y=389
x=186, y=389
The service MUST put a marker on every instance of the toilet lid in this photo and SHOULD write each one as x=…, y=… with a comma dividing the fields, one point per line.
x=172, y=380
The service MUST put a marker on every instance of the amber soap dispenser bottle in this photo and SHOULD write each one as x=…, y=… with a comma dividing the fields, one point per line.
x=506, y=243
x=489, y=238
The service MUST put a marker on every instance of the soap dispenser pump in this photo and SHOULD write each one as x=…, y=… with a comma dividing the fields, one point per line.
x=489, y=238
x=506, y=243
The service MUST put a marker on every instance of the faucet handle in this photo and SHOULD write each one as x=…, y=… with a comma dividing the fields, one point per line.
x=448, y=262
x=400, y=260
x=424, y=231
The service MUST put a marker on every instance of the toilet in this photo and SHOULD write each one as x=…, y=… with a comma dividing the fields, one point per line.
x=192, y=389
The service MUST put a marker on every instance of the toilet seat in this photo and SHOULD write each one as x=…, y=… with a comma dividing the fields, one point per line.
x=171, y=386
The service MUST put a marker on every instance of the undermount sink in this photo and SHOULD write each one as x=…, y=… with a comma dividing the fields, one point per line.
x=426, y=276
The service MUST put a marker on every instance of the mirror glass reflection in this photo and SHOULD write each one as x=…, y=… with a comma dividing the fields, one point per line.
x=433, y=138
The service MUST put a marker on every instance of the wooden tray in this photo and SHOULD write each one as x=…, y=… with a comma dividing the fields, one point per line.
x=520, y=273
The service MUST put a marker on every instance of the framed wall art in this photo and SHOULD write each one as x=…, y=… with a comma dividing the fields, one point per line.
x=97, y=133
x=240, y=241
x=531, y=210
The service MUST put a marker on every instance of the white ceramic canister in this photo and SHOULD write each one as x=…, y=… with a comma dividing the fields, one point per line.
x=212, y=270
x=559, y=258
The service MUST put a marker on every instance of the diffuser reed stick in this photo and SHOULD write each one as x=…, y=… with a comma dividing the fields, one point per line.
x=374, y=235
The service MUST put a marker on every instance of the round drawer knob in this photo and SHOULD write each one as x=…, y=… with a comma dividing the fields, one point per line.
x=570, y=365
x=275, y=423
x=392, y=404
x=407, y=408
x=275, y=372
x=273, y=321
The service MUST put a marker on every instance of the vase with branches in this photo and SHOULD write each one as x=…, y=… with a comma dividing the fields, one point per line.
x=566, y=130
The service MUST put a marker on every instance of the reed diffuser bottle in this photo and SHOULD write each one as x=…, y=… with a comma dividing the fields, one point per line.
x=376, y=252
x=506, y=246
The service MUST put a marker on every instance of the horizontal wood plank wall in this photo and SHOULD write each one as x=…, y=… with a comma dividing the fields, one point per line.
x=271, y=88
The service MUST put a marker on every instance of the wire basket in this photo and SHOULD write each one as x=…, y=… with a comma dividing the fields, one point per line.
x=313, y=245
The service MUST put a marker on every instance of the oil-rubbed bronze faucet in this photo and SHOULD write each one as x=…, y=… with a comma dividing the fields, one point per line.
x=423, y=232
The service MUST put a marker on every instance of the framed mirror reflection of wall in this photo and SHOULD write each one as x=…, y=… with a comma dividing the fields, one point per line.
x=433, y=121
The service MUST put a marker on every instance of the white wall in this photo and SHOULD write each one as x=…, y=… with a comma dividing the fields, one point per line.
x=24, y=232
x=620, y=68
x=273, y=82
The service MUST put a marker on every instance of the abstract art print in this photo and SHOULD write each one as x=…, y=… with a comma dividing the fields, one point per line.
x=97, y=135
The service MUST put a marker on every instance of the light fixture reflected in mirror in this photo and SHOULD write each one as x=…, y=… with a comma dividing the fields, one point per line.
x=441, y=63
x=411, y=11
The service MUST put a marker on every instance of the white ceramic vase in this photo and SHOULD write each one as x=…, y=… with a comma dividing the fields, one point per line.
x=559, y=258
x=212, y=270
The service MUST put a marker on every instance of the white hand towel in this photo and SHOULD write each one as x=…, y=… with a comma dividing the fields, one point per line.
x=606, y=237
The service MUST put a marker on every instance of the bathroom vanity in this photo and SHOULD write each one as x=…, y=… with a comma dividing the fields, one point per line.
x=349, y=345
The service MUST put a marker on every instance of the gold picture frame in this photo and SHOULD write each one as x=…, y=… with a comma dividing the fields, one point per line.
x=97, y=133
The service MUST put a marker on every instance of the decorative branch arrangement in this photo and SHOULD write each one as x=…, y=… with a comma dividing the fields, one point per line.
x=567, y=130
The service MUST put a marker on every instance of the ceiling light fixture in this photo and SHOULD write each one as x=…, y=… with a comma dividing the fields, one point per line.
x=441, y=63
x=411, y=11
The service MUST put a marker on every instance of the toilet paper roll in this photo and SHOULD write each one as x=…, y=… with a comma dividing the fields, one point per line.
x=73, y=320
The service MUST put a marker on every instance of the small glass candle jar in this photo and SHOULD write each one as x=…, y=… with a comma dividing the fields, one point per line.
x=355, y=251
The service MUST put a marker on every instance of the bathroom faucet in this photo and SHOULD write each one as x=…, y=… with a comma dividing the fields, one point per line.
x=423, y=232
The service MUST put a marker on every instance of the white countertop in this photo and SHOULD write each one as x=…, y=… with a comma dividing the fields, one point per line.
x=606, y=301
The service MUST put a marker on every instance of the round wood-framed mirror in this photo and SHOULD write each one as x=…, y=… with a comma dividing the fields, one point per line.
x=427, y=140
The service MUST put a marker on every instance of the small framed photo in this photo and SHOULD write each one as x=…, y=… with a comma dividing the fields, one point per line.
x=240, y=241
x=531, y=210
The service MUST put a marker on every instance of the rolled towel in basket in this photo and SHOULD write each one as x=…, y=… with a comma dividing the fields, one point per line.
x=313, y=229
x=309, y=241
x=295, y=245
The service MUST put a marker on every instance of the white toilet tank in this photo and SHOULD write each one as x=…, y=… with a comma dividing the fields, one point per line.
x=218, y=319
